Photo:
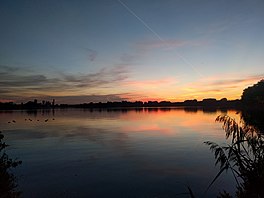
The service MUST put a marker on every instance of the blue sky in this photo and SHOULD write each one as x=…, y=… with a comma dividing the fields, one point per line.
x=81, y=51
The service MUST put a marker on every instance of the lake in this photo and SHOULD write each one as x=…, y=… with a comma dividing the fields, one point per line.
x=145, y=152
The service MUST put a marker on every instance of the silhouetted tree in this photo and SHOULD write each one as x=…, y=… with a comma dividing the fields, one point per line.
x=254, y=95
x=190, y=102
x=209, y=101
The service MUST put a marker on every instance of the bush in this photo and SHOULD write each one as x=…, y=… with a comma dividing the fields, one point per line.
x=7, y=179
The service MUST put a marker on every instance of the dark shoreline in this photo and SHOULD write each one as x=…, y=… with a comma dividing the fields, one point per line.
x=206, y=103
x=209, y=104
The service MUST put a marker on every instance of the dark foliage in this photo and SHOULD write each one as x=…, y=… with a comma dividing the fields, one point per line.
x=254, y=117
x=244, y=157
x=7, y=179
x=254, y=95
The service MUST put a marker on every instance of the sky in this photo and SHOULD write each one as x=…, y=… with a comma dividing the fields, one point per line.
x=113, y=50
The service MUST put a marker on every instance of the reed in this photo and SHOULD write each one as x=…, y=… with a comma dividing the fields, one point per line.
x=243, y=156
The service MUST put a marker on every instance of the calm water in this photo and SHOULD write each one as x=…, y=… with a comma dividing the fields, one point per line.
x=121, y=153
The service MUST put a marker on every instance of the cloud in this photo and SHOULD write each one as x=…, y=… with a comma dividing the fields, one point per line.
x=22, y=81
x=92, y=54
x=15, y=85
x=127, y=58
x=8, y=69
x=220, y=86
x=103, y=78
x=13, y=78
x=151, y=83
x=228, y=82
x=142, y=96
x=86, y=98
x=236, y=81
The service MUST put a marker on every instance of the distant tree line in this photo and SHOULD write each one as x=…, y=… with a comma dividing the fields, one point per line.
x=209, y=102
x=29, y=105
x=251, y=97
x=194, y=103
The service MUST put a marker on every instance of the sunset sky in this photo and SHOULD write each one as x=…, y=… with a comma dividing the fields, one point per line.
x=112, y=50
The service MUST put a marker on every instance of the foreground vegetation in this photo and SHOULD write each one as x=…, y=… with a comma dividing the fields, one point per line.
x=243, y=156
x=7, y=179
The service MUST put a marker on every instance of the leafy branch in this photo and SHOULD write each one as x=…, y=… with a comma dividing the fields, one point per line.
x=244, y=157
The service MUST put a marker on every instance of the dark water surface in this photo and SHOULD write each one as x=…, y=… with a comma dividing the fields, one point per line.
x=115, y=153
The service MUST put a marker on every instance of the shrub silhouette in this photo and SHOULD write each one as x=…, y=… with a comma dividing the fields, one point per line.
x=244, y=157
x=254, y=95
x=7, y=179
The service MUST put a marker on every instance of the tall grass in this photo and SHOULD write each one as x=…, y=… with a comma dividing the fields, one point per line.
x=243, y=156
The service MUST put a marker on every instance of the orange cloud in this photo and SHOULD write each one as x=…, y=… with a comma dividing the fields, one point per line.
x=3, y=100
x=219, y=86
x=150, y=83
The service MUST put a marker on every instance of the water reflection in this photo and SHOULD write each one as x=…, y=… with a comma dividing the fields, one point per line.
x=190, y=109
x=51, y=112
x=141, y=152
x=254, y=118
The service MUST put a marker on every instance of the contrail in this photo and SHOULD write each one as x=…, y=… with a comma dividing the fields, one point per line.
x=143, y=22
x=159, y=37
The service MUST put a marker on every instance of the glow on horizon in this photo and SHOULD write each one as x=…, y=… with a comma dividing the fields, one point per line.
x=172, y=51
x=164, y=89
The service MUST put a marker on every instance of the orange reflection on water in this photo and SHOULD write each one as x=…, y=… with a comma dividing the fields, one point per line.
x=150, y=121
x=147, y=128
x=171, y=121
